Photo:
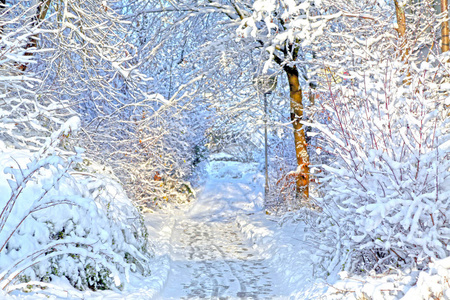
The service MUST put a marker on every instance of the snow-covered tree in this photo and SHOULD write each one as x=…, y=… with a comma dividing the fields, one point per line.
x=240, y=33
x=86, y=61
x=78, y=226
x=209, y=71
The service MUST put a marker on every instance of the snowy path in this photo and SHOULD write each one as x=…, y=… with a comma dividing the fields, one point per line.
x=210, y=258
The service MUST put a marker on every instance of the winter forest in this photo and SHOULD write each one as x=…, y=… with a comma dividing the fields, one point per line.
x=224, y=149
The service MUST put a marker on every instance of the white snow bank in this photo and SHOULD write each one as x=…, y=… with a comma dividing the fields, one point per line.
x=432, y=283
x=159, y=226
x=283, y=244
x=56, y=223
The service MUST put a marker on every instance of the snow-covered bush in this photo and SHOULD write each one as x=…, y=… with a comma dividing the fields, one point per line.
x=388, y=190
x=166, y=146
x=282, y=195
x=57, y=223
x=386, y=195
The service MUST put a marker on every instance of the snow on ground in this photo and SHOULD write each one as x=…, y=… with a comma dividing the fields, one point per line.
x=288, y=253
x=224, y=246
x=209, y=256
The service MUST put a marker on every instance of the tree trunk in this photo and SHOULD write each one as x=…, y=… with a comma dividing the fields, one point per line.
x=2, y=7
x=401, y=23
x=40, y=15
x=445, y=33
x=445, y=39
x=302, y=183
x=41, y=12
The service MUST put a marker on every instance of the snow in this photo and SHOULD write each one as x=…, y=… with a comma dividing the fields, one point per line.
x=208, y=255
x=224, y=244
x=378, y=224
x=228, y=215
x=66, y=222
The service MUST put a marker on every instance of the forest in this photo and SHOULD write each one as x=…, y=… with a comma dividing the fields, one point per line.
x=315, y=131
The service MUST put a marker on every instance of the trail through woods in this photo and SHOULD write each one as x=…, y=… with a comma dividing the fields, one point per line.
x=224, y=246
x=209, y=256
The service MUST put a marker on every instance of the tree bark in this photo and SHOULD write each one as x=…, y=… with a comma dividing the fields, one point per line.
x=2, y=7
x=444, y=27
x=401, y=23
x=302, y=183
x=40, y=15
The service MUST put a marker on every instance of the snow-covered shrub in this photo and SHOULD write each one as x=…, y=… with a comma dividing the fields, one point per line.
x=282, y=195
x=385, y=197
x=387, y=192
x=433, y=283
x=156, y=162
x=54, y=222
